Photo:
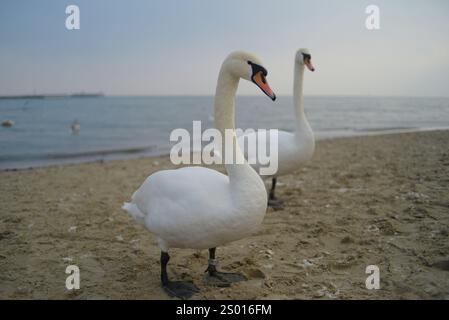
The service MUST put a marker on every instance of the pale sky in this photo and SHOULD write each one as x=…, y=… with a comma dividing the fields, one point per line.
x=168, y=47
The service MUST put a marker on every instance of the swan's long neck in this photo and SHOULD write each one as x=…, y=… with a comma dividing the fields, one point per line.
x=303, y=131
x=298, y=97
x=246, y=187
x=224, y=111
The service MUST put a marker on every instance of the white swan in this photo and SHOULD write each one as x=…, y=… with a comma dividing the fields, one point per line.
x=293, y=148
x=200, y=208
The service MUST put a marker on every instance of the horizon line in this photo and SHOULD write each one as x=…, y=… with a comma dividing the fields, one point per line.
x=103, y=95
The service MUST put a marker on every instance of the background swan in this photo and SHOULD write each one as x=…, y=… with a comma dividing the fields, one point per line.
x=200, y=208
x=293, y=148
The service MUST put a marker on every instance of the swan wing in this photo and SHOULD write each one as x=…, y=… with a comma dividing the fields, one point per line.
x=287, y=150
x=191, y=207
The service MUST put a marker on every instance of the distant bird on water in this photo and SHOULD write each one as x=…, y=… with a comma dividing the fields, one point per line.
x=8, y=123
x=76, y=127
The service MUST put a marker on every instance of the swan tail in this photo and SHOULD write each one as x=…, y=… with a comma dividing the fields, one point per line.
x=134, y=212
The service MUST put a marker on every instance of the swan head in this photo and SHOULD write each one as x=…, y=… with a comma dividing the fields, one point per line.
x=303, y=57
x=247, y=66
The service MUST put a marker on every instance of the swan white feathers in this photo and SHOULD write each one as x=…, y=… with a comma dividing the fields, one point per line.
x=196, y=207
x=293, y=150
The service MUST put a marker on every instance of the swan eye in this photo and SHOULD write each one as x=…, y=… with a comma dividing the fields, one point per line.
x=306, y=56
x=257, y=68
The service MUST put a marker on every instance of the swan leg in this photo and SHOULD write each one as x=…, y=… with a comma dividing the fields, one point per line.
x=272, y=200
x=179, y=289
x=221, y=279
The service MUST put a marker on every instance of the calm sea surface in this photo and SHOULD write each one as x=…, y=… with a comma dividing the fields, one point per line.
x=121, y=127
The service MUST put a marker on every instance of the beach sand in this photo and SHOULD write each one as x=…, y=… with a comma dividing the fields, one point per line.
x=379, y=200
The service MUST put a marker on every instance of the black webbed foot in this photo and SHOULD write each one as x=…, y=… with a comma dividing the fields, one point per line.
x=224, y=279
x=180, y=289
x=221, y=279
x=276, y=204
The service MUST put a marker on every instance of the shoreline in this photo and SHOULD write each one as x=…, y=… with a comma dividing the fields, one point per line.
x=378, y=200
x=139, y=153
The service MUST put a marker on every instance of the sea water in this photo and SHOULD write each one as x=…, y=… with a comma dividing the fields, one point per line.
x=125, y=127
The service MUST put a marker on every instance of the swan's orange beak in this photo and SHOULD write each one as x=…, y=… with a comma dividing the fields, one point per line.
x=260, y=80
x=309, y=65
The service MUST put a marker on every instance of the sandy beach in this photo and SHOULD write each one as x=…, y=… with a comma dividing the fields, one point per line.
x=379, y=200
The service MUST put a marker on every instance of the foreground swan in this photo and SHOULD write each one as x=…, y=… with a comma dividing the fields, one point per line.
x=200, y=208
x=293, y=148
